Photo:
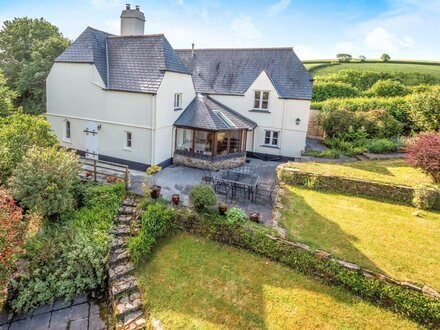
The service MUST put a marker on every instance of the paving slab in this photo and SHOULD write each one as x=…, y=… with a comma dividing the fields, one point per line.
x=40, y=322
x=80, y=324
x=60, y=318
x=79, y=311
x=96, y=323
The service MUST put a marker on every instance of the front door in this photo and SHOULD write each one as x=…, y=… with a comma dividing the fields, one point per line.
x=91, y=140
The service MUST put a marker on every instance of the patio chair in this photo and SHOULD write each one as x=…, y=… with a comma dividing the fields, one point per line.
x=222, y=188
x=207, y=176
x=240, y=192
x=265, y=190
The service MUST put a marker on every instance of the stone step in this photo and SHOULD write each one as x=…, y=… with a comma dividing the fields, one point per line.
x=134, y=320
x=119, y=242
x=129, y=202
x=127, y=304
x=121, y=230
x=118, y=256
x=124, y=219
x=126, y=210
x=120, y=269
x=124, y=284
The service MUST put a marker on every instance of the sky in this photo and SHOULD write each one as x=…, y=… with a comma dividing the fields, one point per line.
x=317, y=29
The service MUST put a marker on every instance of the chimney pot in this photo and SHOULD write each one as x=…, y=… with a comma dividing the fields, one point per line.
x=192, y=49
x=127, y=6
x=138, y=7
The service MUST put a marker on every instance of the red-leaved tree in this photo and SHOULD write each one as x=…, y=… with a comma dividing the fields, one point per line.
x=423, y=152
x=12, y=230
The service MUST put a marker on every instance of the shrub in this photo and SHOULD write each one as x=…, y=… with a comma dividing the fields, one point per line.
x=332, y=89
x=387, y=88
x=12, y=230
x=382, y=145
x=18, y=133
x=202, y=196
x=236, y=215
x=425, y=110
x=331, y=153
x=348, y=148
x=69, y=258
x=44, y=181
x=423, y=152
x=425, y=198
x=156, y=221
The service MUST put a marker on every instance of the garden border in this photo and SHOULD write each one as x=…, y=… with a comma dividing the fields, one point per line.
x=396, y=193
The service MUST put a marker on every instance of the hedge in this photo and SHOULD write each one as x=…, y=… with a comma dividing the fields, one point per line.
x=377, y=190
x=258, y=239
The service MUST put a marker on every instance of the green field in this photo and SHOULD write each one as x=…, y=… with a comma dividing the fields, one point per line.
x=193, y=283
x=316, y=68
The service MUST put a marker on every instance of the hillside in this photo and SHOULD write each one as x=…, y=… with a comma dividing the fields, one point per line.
x=323, y=67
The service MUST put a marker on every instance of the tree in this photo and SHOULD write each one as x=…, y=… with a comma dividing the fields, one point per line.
x=7, y=97
x=388, y=88
x=425, y=110
x=344, y=57
x=18, y=133
x=45, y=179
x=385, y=57
x=27, y=50
x=423, y=152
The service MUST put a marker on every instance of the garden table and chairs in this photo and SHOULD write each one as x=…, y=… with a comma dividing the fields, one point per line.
x=238, y=183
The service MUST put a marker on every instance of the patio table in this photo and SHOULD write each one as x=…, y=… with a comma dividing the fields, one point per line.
x=250, y=181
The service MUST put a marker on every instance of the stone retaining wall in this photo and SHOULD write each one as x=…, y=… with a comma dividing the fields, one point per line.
x=391, y=192
x=213, y=163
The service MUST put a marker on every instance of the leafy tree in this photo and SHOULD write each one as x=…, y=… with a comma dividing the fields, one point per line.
x=423, y=152
x=344, y=57
x=45, y=179
x=7, y=97
x=385, y=57
x=18, y=133
x=425, y=110
x=27, y=50
x=387, y=88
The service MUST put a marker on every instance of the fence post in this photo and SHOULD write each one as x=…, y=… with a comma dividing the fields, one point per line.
x=126, y=178
x=94, y=169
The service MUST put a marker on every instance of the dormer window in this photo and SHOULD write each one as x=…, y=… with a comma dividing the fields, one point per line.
x=178, y=101
x=261, y=100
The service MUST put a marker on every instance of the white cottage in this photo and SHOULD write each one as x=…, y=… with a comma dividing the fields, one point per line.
x=133, y=99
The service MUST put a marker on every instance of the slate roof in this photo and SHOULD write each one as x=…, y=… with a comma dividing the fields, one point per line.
x=201, y=114
x=232, y=71
x=135, y=63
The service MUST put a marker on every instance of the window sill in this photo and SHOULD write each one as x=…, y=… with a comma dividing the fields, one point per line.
x=269, y=146
x=260, y=110
x=126, y=149
x=67, y=141
x=178, y=109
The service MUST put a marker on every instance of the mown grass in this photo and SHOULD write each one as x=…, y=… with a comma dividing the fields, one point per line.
x=396, y=171
x=380, y=236
x=191, y=282
x=382, y=67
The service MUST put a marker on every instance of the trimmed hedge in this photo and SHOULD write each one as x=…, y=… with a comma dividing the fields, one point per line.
x=260, y=240
x=395, y=193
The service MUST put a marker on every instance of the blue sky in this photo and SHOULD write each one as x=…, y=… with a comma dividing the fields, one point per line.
x=406, y=29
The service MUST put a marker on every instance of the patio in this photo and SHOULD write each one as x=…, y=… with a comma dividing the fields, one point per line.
x=177, y=179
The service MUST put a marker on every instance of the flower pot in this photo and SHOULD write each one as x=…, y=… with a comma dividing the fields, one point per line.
x=175, y=199
x=254, y=217
x=155, y=192
x=222, y=209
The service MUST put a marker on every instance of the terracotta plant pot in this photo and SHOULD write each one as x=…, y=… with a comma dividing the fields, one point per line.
x=155, y=192
x=254, y=217
x=222, y=209
x=175, y=199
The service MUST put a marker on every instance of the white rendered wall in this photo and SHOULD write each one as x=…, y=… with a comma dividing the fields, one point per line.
x=74, y=92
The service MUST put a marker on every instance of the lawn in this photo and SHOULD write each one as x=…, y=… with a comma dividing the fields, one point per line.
x=380, y=236
x=191, y=282
x=389, y=171
x=382, y=67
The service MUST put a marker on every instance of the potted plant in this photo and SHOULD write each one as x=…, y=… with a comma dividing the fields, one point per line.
x=150, y=183
x=255, y=217
x=175, y=199
x=222, y=208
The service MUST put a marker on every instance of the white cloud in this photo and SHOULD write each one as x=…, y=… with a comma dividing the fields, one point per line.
x=244, y=28
x=100, y=4
x=382, y=40
x=345, y=46
x=305, y=52
x=279, y=7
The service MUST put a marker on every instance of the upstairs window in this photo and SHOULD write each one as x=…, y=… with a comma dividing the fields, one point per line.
x=261, y=100
x=271, y=138
x=177, y=101
x=128, y=140
x=67, y=131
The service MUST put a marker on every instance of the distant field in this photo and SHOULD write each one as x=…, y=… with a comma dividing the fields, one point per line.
x=324, y=67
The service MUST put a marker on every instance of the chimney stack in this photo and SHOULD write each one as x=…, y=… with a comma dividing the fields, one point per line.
x=192, y=50
x=132, y=21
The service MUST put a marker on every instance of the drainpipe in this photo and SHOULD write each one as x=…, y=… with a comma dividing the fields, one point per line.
x=282, y=126
x=153, y=130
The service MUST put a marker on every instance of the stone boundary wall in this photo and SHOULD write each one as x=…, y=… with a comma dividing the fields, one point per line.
x=213, y=163
x=395, y=193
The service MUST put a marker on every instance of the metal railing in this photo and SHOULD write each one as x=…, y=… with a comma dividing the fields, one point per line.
x=95, y=168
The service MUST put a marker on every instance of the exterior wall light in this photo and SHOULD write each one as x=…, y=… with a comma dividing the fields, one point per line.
x=298, y=121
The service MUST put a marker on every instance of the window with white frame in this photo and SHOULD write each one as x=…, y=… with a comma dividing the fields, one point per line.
x=67, y=131
x=177, y=101
x=261, y=100
x=271, y=138
x=127, y=140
